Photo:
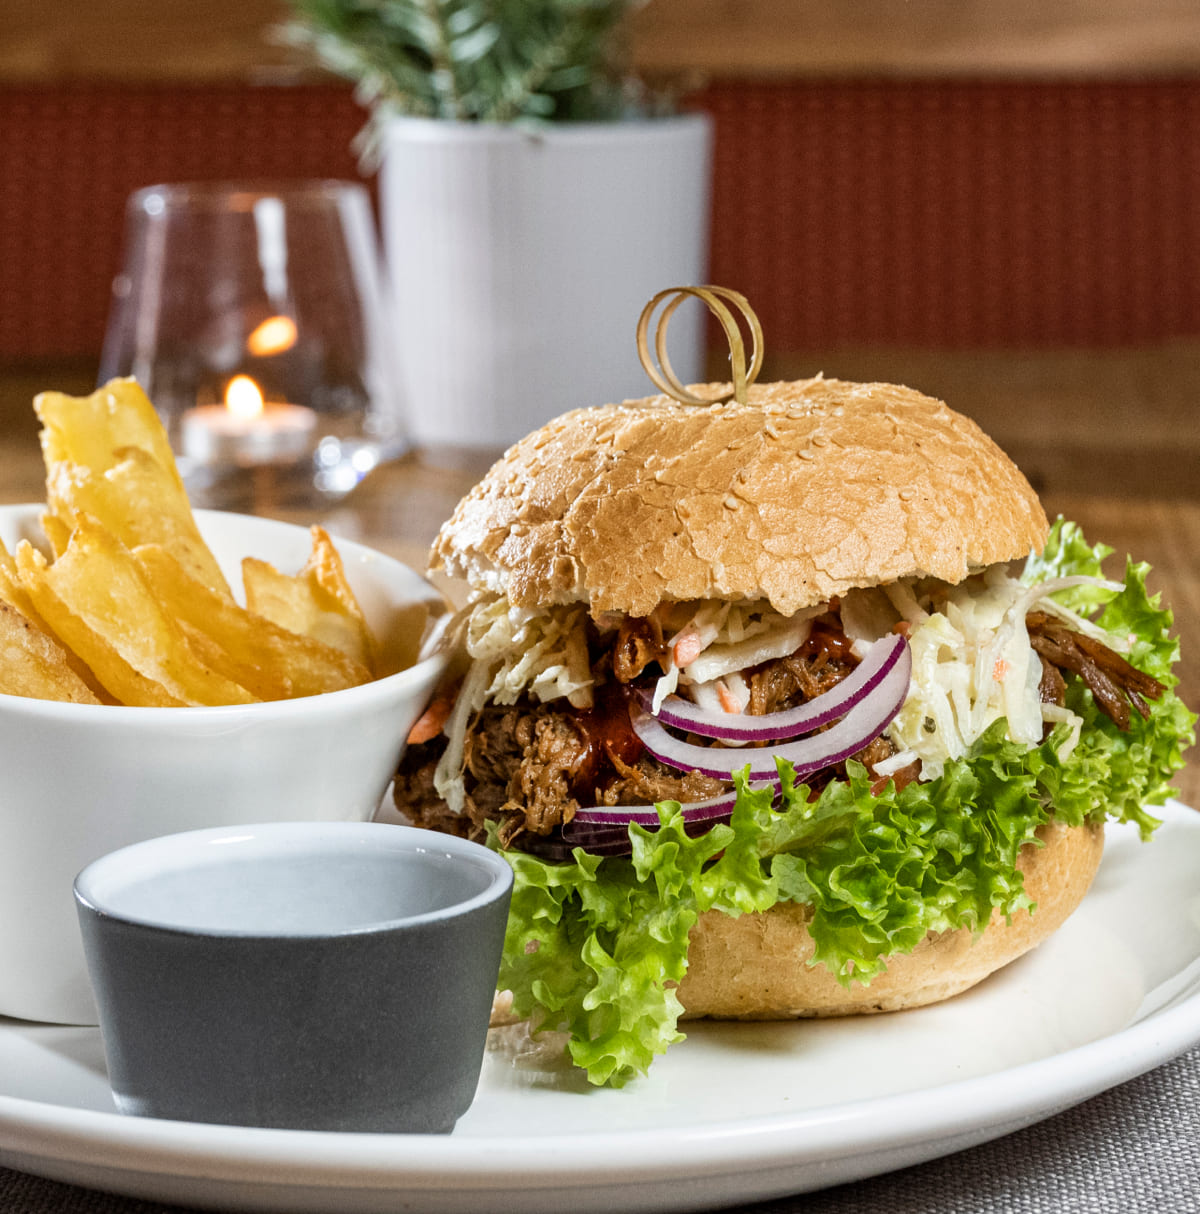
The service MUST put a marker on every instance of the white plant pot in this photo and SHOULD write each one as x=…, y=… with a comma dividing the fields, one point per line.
x=520, y=260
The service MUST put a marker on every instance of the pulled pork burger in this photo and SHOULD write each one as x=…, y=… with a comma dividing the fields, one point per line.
x=766, y=723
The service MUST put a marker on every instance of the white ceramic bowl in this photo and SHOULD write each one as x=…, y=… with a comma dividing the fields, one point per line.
x=80, y=780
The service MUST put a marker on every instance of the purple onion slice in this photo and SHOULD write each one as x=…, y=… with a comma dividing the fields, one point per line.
x=558, y=847
x=646, y=815
x=792, y=722
x=866, y=720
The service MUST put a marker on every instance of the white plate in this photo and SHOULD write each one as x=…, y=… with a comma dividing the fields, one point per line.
x=735, y=1114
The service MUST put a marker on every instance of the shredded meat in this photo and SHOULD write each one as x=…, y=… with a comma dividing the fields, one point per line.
x=639, y=642
x=490, y=752
x=647, y=782
x=822, y=662
x=876, y=751
x=416, y=798
x=539, y=790
x=1053, y=687
x=1113, y=682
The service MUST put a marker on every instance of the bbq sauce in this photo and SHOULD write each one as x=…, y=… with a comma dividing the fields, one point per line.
x=605, y=728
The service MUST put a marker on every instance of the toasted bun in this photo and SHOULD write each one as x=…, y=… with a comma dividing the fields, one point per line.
x=756, y=967
x=808, y=490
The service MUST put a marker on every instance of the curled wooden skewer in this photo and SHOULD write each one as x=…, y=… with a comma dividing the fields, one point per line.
x=663, y=374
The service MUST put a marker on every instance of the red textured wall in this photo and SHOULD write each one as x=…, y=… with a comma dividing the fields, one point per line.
x=961, y=214
x=937, y=214
x=70, y=156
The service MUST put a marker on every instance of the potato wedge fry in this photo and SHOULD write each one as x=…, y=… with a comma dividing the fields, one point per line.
x=11, y=590
x=35, y=665
x=98, y=602
x=317, y=602
x=94, y=430
x=58, y=531
x=15, y=594
x=136, y=500
x=269, y=659
x=264, y=680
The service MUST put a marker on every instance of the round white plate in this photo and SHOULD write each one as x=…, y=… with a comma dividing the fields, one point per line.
x=738, y=1112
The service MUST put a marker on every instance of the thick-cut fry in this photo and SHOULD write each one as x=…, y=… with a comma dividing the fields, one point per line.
x=136, y=500
x=58, y=532
x=95, y=430
x=15, y=594
x=272, y=661
x=262, y=680
x=316, y=602
x=11, y=590
x=98, y=602
x=35, y=665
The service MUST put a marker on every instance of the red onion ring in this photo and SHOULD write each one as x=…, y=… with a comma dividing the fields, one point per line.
x=792, y=722
x=555, y=847
x=647, y=815
x=604, y=830
x=865, y=721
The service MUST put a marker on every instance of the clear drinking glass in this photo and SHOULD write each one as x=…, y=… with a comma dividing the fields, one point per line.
x=255, y=316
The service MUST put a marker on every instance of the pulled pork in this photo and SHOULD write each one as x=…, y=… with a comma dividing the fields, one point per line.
x=639, y=643
x=1115, y=684
x=822, y=662
x=647, y=782
x=531, y=766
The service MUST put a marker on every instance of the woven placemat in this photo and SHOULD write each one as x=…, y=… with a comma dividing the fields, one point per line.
x=1135, y=1148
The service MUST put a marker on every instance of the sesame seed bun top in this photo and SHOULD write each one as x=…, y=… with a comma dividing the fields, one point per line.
x=807, y=490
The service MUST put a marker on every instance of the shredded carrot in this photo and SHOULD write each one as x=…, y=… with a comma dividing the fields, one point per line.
x=688, y=648
x=729, y=701
x=1000, y=670
x=902, y=627
x=431, y=722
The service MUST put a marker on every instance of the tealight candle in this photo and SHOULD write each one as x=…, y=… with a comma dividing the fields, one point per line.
x=246, y=430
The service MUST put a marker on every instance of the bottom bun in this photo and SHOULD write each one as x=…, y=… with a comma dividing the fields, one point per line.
x=755, y=967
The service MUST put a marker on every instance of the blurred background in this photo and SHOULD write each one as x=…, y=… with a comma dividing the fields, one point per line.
x=995, y=201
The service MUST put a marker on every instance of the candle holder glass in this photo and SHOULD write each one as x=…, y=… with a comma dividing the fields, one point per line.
x=255, y=315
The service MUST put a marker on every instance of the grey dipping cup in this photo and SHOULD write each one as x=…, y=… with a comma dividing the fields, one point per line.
x=325, y=976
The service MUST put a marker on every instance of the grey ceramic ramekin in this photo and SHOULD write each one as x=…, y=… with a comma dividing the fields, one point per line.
x=329, y=976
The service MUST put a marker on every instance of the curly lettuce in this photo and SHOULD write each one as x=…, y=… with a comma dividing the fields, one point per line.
x=596, y=945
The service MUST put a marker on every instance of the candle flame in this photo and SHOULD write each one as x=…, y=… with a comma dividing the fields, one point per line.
x=243, y=398
x=275, y=335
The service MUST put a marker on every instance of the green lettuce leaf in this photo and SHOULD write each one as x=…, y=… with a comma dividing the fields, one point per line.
x=596, y=945
x=1066, y=554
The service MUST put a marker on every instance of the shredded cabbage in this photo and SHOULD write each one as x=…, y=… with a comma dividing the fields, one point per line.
x=513, y=650
x=542, y=651
x=973, y=664
x=732, y=637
